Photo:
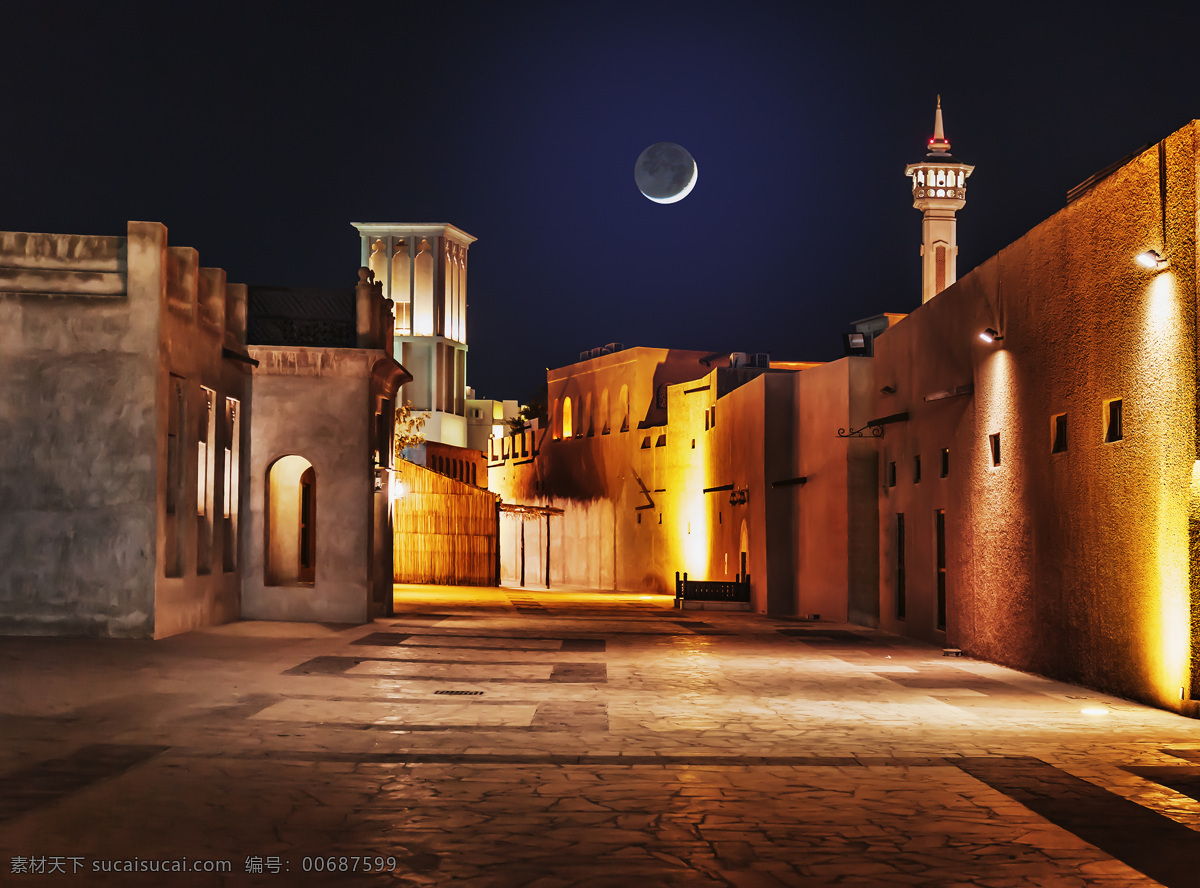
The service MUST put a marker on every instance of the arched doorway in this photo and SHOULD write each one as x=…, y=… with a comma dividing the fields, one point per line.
x=291, y=522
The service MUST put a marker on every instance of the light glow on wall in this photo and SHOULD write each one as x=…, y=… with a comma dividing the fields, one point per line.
x=1166, y=615
x=694, y=504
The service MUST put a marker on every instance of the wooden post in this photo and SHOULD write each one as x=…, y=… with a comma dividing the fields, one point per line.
x=522, y=551
x=547, y=550
x=497, y=543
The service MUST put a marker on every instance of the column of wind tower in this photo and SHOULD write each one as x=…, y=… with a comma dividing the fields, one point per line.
x=939, y=191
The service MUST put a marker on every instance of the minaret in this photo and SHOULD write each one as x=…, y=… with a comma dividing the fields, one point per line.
x=939, y=190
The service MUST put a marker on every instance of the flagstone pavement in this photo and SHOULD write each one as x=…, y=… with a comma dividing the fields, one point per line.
x=552, y=738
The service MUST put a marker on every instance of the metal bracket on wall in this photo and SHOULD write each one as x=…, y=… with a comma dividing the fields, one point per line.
x=645, y=492
x=875, y=425
x=965, y=389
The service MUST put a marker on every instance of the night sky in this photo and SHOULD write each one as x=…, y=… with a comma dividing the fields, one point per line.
x=258, y=132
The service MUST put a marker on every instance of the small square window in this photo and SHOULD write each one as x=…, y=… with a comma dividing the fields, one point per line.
x=994, y=441
x=917, y=469
x=1114, y=426
x=1059, y=431
x=945, y=462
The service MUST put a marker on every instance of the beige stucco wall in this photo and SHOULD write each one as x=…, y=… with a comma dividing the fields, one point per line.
x=1071, y=564
x=635, y=506
x=78, y=343
x=316, y=403
x=87, y=343
x=200, y=316
x=597, y=479
x=836, y=530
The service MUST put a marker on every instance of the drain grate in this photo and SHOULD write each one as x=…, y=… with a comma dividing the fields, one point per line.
x=459, y=693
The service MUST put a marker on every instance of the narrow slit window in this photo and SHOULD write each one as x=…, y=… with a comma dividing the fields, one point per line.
x=945, y=462
x=891, y=474
x=901, y=589
x=940, y=530
x=1114, y=427
x=1060, y=434
x=994, y=442
x=916, y=469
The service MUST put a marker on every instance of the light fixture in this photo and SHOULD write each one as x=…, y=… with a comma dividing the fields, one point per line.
x=1151, y=259
x=990, y=335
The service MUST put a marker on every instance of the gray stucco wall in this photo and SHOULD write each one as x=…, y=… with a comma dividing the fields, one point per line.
x=315, y=403
x=78, y=343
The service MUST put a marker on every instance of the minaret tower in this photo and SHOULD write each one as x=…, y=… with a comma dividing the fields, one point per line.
x=939, y=191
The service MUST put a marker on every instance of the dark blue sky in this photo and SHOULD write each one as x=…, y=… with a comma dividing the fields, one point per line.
x=257, y=133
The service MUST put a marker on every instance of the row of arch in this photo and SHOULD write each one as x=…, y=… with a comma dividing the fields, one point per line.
x=942, y=178
x=410, y=286
x=573, y=420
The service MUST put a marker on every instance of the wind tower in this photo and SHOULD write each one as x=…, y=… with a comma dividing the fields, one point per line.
x=939, y=191
x=423, y=269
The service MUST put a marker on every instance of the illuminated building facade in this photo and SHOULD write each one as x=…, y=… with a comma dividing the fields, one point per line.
x=319, y=543
x=715, y=464
x=125, y=415
x=1039, y=505
x=156, y=475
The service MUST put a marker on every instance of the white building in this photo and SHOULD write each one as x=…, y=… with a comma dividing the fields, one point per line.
x=423, y=268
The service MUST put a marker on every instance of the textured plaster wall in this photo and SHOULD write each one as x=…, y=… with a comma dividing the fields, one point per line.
x=200, y=315
x=836, y=528
x=315, y=403
x=1072, y=564
x=78, y=342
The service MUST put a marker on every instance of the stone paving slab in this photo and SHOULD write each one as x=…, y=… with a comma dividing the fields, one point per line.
x=588, y=739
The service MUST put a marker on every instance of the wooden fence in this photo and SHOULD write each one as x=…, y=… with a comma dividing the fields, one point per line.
x=447, y=532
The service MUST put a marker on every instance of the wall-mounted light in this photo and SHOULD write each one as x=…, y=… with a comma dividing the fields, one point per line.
x=990, y=335
x=1151, y=259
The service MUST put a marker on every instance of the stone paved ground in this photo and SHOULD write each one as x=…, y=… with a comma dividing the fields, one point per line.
x=513, y=737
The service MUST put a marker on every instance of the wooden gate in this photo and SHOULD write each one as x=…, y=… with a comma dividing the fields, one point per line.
x=447, y=532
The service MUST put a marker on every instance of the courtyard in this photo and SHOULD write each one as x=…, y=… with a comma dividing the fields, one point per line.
x=553, y=738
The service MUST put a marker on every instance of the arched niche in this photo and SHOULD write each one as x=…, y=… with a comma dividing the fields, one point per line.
x=378, y=262
x=291, y=522
x=568, y=420
x=605, y=419
x=623, y=406
x=401, y=289
x=423, y=268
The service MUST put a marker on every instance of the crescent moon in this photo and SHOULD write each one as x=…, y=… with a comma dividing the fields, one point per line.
x=665, y=173
x=687, y=189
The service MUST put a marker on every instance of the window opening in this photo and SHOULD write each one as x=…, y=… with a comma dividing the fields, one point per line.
x=940, y=525
x=901, y=589
x=994, y=443
x=1060, y=433
x=1114, y=430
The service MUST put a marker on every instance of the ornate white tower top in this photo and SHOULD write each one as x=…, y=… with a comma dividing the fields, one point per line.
x=939, y=191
